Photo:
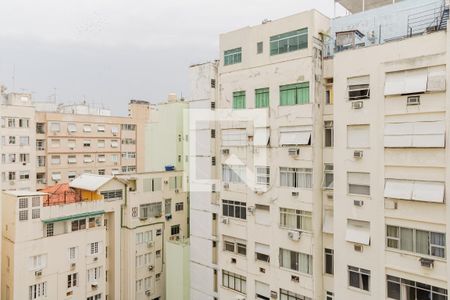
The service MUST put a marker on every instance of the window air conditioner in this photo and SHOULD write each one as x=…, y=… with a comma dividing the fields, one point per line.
x=358, y=203
x=274, y=294
x=294, y=152
x=295, y=194
x=226, y=185
x=358, y=154
x=426, y=262
x=251, y=209
x=225, y=221
x=150, y=268
x=38, y=273
x=358, y=248
x=225, y=151
x=357, y=105
x=294, y=235
x=73, y=265
x=149, y=244
x=147, y=293
x=413, y=100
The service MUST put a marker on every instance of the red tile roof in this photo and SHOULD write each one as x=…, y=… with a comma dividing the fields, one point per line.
x=61, y=194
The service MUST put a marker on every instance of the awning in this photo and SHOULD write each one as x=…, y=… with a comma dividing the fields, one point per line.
x=261, y=136
x=262, y=248
x=292, y=136
x=358, y=232
x=415, y=134
x=74, y=217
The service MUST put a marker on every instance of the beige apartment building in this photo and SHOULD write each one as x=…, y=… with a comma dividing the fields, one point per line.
x=80, y=140
x=18, y=164
x=98, y=237
x=340, y=192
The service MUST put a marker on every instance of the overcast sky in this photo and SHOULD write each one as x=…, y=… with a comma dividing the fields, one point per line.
x=110, y=51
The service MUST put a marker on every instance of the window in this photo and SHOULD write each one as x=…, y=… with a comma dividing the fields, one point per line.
x=71, y=143
x=328, y=179
x=168, y=206
x=175, y=229
x=40, y=128
x=150, y=210
x=234, y=209
x=358, y=136
x=295, y=219
x=56, y=176
x=405, y=289
x=40, y=145
x=24, y=175
x=55, y=127
x=358, y=88
x=144, y=237
x=262, y=290
x=416, y=241
x=114, y=143
x=329, y=261
x=262, y=252
x=259, y=47
x=213, y=83
x=11, y=176
x=94, y=274
x=71, y=175
x=100, y=128
x=87, y=128
x=234, y=137
x=101, y=143
x=262, y=214
x=235, y=245
x=113, y=194
x=179, y=206
x=128, y=141
x=359, y=278
x=329, y=93
x=329, y=134
x=428, y=191
x=50, y=229
x=233, y=173
x=72, y=280
x=239, y=100
x=87, y=143
x=23, y=215
x=101, y=158
x=358, y=232
x=129, y=127
x=213, y=161
x=232, y=56
x=415, y=81
x=329, y=295
x=295, y=136
x=152, y=184
x=71, y=127
x=24, y=158
x=213, y=133
x=293, y=94
x=12, y=140
x=262, y=98
x=358, y=183
x=11, y=122
x=142, y=260
x=429, y=134
x=38, y=290
x=94, y=248
x=296, y=177
x=296, y=261
x=56, y=159
x=35, y=213
x=289, y=41
x=95, y=297
x=71, y=159
x=73, y=253
x=78, y=224
x=234, y=281
x=263, y=175
x=38, y=262
x=24, y=140
x=287, y=295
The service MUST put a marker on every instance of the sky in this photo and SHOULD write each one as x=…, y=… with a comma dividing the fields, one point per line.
x=107, y=52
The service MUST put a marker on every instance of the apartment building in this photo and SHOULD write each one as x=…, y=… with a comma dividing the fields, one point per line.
x=18, y=164
x=97, y=237
x=81, y=140
x=340, y=192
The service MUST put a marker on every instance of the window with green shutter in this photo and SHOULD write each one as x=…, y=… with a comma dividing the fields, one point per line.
x=262, y=98
x=289, y=41
x=232, y=56
x=239, y=100
x=293, y=94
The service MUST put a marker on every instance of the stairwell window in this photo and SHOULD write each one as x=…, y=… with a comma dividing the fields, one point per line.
x=239, y=100
x=289, y=41
x=293, y=94
x=232, y=56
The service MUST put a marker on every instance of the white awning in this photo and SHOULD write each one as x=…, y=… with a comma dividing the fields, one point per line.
x=358, y=80
x=262, y=289
x=261, y=136
x=415, y=134
x=436, y=79
x=358, y=136
x=406, y=82
x=358, y=232
x=299, y=135
x=234, y=137
x=56, y=176
x=328, y=220
x=262, y=214
x=90, y=182
x=358, y=178
x=262, y=248
x=428, y=191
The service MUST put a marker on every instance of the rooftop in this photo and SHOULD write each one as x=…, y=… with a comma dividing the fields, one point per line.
x=90, y=182
x=25, y=193
x=61, y=194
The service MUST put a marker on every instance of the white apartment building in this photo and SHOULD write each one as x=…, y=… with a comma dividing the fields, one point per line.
x=18, y=164
x=341, y=193
x=99, y=237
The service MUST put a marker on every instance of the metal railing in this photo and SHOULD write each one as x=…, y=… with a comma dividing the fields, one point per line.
x=431, y=18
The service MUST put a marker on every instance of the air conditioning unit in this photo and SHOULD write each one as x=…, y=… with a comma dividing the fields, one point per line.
x=225, y=151
x=295, y=194
x=94, y=285
x=147, y=293
x=233, y=260
x=225, y=221
x=96, y=258
x=226, y=185
x=294, y=235
x=295, y=278
x=251, y=209
x=149, y=244
x=166, y=181
x=274, y=294
x=358, y=248
x=262, y=270
x=413, y=100
x=358, y=203
x=295, y=152
x=73, y=265
x=358, y=154
x=426, y=262
x=150, y=268
x=357, y=104
x=38, y=273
